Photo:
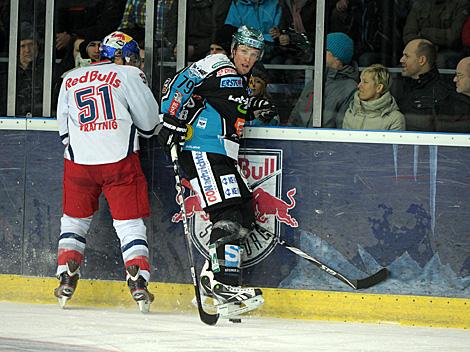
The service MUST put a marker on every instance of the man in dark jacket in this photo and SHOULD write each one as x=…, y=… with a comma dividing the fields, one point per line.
x=29, y=76
x=456, y=117
x=421, y=92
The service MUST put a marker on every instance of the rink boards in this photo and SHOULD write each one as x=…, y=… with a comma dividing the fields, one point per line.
x=279, y=303
x=356, y=200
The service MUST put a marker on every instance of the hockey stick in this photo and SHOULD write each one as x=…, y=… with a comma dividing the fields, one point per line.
x=366, y=282
x=209, y=319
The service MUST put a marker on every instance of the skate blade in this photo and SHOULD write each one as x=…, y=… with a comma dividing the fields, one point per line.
x=233, y=310
x=144, y=306
x=62, y=301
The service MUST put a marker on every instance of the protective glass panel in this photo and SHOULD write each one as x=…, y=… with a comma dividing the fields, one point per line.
x=4, y=43
x=30, y=59
x=380, y=76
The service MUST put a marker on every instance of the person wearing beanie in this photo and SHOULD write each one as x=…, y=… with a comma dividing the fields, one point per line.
x=341, y=46
x=342, y=76
x=259, y=79
x=90, y=49
x=222, y=40
x=86, y=51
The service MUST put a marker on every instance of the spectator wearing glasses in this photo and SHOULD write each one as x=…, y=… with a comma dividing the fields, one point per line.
x=456, y=114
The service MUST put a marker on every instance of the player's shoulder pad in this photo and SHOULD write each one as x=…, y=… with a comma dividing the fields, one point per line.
x=71, y=70
x=134, y=71
x=209, y=64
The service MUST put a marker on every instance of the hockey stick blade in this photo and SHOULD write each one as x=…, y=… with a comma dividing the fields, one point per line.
x=369, y=281
x=372, y=280
x=206, y=318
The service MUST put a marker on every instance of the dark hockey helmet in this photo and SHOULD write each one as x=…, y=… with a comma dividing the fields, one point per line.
x=249, y=36
x=120, y=45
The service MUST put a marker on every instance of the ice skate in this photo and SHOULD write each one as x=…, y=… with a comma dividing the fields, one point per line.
x=68, y=283
x=230, y=301
x=138, y=287
x=236, y=300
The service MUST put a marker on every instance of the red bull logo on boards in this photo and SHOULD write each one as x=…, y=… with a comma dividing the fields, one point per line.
x=266, y=204
x=262, y=170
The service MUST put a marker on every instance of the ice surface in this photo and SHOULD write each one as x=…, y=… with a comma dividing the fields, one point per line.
x=29, y=327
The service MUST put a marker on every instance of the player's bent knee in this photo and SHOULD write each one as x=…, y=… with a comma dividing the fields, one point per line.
x=79, y=226
x=134, y=228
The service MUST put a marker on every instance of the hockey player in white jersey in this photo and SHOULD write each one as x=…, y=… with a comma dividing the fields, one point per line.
x=102, y=109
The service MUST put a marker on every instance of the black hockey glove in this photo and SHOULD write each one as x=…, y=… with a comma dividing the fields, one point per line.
x=172, y=133
x=258, y=103
x=269, y=117
x=262, y=109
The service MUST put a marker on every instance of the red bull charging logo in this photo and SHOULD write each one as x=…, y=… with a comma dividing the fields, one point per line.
x=262, y=170
x=266, y=204
x=192, y=204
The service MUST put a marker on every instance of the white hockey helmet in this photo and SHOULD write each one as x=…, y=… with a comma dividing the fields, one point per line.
x=250, y=37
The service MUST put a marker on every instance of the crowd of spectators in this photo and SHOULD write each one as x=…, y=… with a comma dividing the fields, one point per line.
x=364, y=38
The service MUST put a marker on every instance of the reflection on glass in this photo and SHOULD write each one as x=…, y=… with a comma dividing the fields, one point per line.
x=384, y=32
x=29, y=74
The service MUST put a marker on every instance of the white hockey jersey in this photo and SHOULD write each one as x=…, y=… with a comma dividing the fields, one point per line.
x=100, y=110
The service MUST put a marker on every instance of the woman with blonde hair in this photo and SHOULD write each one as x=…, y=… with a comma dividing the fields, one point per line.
x=373, y=107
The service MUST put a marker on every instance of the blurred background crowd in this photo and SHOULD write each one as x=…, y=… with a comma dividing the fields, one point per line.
x=387, y=65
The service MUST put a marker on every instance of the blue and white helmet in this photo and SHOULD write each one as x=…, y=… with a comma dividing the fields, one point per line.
x=120, y=45
x=249, y=36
